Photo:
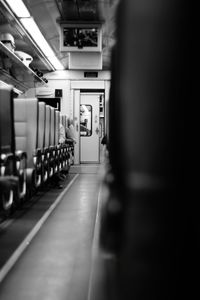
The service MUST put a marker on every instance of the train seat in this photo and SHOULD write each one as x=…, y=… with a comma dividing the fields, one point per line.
x=63, y=120
x=47, y=151
x=41, y=140
x=26, y=128
x=52, y=145
x=64, y=155
x=9, y=189
x=12, y=163
x=65, y=146
x=59, y=162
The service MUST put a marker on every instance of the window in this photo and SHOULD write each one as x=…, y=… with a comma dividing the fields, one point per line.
x=85, y=120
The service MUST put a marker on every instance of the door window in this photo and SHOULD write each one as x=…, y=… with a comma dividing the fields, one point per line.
x=85, y=120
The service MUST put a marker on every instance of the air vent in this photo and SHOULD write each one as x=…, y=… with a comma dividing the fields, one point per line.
x=91, y=74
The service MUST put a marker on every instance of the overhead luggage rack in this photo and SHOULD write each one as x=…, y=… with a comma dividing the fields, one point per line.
x=19, y=75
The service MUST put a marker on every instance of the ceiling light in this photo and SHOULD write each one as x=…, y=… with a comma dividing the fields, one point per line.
x=18, y=8
x=32, y=28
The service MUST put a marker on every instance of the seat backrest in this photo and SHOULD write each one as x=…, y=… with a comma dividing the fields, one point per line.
x=7, y=133
x=52, y=126
x=64, y=121
x=41, y=125
x=57, y=126
x=26, y=126
x=47, y=126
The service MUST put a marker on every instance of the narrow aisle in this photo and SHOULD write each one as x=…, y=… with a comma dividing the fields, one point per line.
x=56, y=265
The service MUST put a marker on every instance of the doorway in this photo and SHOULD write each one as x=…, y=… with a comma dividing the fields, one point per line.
x=88, y=126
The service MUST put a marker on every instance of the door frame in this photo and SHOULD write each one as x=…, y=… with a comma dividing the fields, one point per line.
x=76, y=93
x=76, y=117
x=97, y=95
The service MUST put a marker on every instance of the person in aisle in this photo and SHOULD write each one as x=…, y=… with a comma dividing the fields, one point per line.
x=61, y=175
x=70, y=131
x=104, y=142
x=71, y=138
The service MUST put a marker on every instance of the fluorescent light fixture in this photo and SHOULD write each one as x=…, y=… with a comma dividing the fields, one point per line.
x=18, y=8
x=32, y=28
x=56, y=63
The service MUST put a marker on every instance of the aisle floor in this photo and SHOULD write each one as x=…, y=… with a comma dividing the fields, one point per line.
x=57, y=263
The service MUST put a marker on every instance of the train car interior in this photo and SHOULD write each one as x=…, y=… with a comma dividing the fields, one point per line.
x=92, y=182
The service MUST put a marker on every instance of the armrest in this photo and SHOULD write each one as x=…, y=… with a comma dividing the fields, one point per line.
x=5, y=157
x=5, y=160
x=46, y=152
x=37, y=152
x=37, y=156
x=20, y=154
x=52, y=150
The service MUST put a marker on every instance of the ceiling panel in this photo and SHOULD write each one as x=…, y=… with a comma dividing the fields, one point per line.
x=68, y=9
x=78, y=10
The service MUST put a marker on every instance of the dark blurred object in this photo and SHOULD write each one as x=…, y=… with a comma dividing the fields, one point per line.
x=38, y=72
x=156, y=237
x=45, y=80
x=104, y=140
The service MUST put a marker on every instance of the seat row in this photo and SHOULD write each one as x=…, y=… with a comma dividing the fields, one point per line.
x=29, y=147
